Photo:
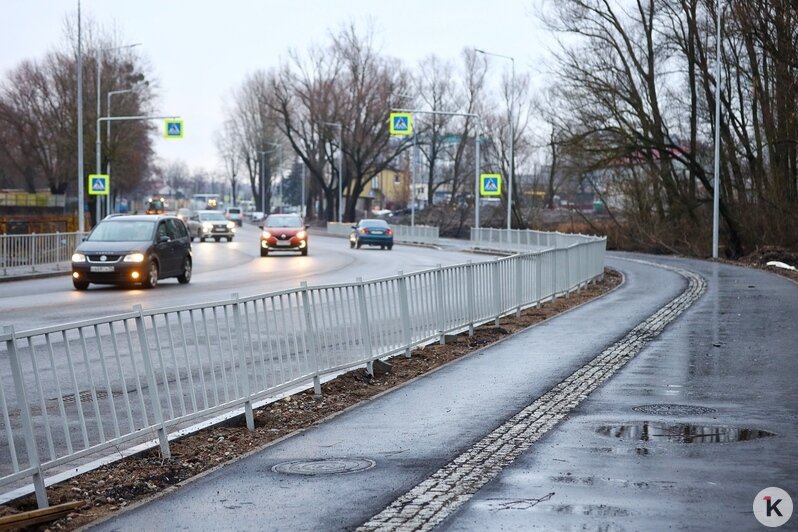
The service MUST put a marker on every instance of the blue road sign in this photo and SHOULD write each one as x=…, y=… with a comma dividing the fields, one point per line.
x=173, y=129
x=401, y=124
x=490, y=185
x=98, y=184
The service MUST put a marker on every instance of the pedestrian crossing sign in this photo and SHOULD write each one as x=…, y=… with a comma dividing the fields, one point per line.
x=98, y=184
x=173, y=129
x=401, y=124
x=490, y=185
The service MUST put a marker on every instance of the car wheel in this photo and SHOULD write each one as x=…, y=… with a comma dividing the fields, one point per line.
x=229, y=238
x=264, y=252
x=304, y=252
x=185, y=277
x=217, y=238
x=80, y=285
x=202, y=239
x=358, y=244
x=351, y=244
x=382, y=248
x=390, y=247
x=151, y=280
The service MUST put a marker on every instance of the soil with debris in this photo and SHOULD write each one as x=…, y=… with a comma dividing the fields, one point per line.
x=134, y=479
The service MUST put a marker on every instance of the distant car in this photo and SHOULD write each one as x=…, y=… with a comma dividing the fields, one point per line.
x=215, y=225
x=283, y=232
x=235, y=214
x=134, y=249
x=371, y=232
x=256, y=216
x=156, y=206
x=192, y=222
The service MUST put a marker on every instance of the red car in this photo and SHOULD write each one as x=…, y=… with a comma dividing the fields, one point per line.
x=283, y=232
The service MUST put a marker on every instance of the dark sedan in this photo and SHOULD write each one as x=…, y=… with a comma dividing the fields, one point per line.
x=133, y=250
x=371, y=232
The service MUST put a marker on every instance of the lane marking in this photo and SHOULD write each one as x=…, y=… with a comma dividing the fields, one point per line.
x=445, y=491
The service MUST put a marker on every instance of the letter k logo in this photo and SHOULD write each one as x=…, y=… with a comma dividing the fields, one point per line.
x=772, y=506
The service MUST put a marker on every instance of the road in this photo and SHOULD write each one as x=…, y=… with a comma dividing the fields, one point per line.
x=220, y=269
x=667, y=404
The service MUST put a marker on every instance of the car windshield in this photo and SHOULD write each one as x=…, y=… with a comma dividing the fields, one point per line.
x=283, y=221
x=212, y=216
x=374, y=223
x=122, y=231
x=234, y=211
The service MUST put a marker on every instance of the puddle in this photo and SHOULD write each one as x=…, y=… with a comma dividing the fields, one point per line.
x=673, y=410
x=654, y=431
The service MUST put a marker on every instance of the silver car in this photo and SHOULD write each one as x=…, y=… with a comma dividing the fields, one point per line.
x=215, y=225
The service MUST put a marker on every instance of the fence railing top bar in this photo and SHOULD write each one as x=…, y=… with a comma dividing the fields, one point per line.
x=41, y=331
x=28, y=235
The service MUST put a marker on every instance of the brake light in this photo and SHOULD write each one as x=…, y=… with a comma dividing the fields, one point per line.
x=389, y=232
x=364, y=231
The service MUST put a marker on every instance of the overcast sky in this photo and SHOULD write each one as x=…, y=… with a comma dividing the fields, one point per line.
x=200, y=50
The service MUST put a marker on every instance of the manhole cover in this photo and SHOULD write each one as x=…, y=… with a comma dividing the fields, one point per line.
x=674, y=410
x=328, y=466
x=680, y=432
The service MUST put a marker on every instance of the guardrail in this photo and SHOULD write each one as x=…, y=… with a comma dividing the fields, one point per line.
x=71, y=391
x=30, y=251
x=415, y=234
x=519, y=239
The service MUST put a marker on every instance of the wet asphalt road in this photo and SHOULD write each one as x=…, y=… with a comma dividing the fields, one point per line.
x=600, y=464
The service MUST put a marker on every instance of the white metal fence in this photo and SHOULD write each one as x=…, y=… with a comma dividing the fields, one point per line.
x=417, y=234
x=521, y=239
x=30, y=251
x=74, y=390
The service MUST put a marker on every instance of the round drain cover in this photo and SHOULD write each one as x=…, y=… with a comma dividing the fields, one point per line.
x=327, y=466
x=674, y=410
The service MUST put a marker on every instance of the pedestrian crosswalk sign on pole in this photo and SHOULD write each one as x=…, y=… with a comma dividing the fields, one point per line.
x=173, y=129
x=98, y=184
x=401, y=124
x=490, y=185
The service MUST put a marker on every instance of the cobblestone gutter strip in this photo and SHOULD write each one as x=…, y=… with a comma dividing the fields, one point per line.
x=432, y=501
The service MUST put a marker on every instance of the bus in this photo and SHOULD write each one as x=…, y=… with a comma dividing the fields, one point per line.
x=203, y=202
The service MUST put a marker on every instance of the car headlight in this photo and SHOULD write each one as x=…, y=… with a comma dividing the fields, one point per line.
x=78, y=257
x=266, y=234
x=231, y=225
x=207, y=226
x=134, y=257
x=301, y=235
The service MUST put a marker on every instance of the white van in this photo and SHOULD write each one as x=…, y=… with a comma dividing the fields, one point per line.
x=235, y=214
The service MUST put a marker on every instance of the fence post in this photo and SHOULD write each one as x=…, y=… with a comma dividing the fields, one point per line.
x=568, y=283
x=27, y=423
x=470, y=296
x=311, y=336
x=155, y=401
x=5, y=253
x=439, y=304
x=365, y=331
x=497, y=293
x=242, y=362
x=404, y=308
x=519, y=284
x=538, y=277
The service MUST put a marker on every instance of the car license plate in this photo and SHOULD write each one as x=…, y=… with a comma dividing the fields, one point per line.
x=220, y=229
x=377, y=232
x=101, y=269
x=283, y=242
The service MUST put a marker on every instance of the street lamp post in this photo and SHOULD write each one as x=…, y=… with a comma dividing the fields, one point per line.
x=98, y=154
x=340, y=166
x=512, y=135
x=275, y=147
x=108, y=138
x=716, y=185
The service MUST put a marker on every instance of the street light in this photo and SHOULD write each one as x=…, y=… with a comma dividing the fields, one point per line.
x=340, y=166
x=108, y=138
x=512, y=135
x=99, y=109
x=716, y=186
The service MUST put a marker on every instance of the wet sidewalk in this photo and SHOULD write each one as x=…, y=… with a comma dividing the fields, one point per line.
x=511, y=437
